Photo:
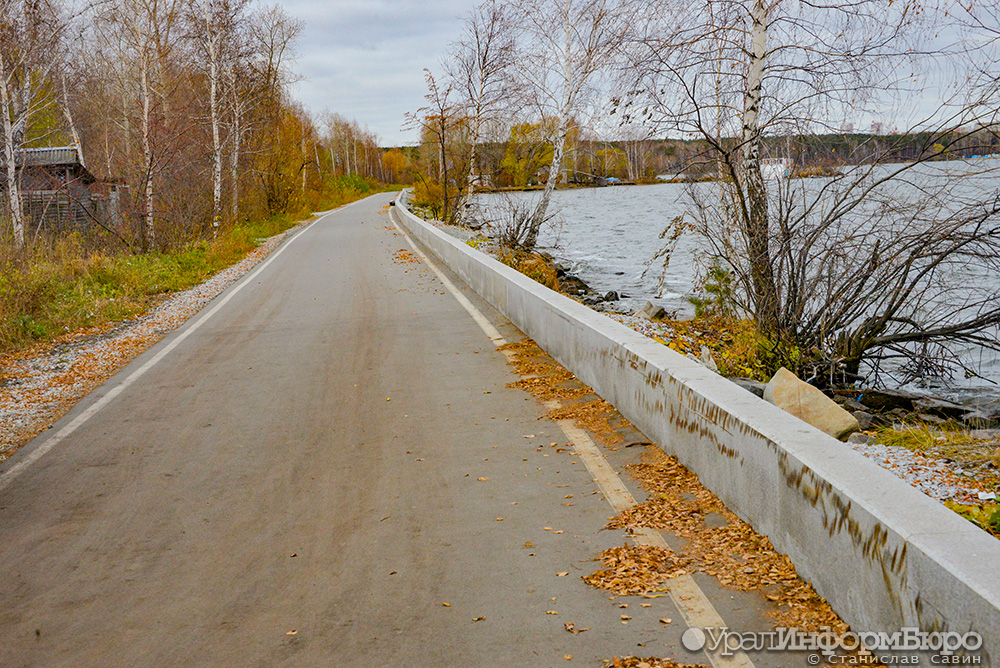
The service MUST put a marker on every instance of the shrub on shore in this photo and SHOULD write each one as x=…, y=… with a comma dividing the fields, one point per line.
x=532, y=265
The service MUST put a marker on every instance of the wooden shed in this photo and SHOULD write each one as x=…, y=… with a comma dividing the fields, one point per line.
x=59, y=194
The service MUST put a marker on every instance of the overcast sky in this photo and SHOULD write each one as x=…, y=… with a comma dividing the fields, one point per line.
x=365, y=59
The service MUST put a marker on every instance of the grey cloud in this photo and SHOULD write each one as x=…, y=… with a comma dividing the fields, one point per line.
x=365, y=59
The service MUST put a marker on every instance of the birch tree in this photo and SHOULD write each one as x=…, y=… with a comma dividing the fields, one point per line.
x=260, y=50
x=438, y=120
x=142, y=36
x=30, y=45
x=860, y=266
x=480, y=64
x=217, y=27
x=565, y=45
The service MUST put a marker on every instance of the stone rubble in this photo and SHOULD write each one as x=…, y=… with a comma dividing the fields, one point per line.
x=931, y=476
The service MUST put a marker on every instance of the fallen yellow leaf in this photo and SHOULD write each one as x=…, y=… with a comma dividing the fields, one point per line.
x=447, y=605
x=551, y=612
x=563, y=574
x=571, y=627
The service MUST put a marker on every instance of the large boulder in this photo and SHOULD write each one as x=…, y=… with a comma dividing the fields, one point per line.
x=650, y=311
x=810, y=405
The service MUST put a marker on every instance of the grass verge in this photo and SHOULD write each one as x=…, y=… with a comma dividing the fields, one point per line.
x=949, y=441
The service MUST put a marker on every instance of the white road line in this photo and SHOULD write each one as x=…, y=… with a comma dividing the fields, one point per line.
x=37, y=453
x=483, y=323
x=694, y=606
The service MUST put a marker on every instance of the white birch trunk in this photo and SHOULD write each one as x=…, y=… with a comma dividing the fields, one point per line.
x=234, y=162
x=559, y=145
x=755, y=77
x=10, y=146
x=149, y=231
x=126, y=128
x=72, y=125
x=473, y=172
x=558, y=148
x=213, y=76
x=765, y=295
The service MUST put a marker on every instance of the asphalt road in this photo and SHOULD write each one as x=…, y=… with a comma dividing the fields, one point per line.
x=307, y=479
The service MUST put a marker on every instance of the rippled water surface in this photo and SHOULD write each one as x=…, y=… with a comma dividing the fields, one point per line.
x=607, y=236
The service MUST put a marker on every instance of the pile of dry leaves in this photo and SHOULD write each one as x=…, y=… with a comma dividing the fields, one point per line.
x=637, y=569
x=546, y=380
x=651, y=662
x=404, y=256
x=723, y=546
x=729, y=550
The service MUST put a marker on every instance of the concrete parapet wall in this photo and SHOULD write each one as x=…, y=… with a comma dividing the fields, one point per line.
x=885, y=555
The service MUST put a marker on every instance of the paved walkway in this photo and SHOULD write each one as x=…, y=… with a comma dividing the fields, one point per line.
x=324, y=467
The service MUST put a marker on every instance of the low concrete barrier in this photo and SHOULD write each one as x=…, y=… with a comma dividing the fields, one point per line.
x=885, y=555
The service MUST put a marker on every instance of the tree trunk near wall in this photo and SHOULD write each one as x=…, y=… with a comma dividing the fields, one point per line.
x=755, y=214
x=559, y=145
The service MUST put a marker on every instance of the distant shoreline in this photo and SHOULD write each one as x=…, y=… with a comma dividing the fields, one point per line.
x=569, y=186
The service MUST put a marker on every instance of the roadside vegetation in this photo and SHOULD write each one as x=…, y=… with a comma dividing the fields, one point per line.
x=146, y=146
x=58, y=285
x=985, y=516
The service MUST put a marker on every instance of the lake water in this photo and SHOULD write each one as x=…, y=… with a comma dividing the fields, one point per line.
x=607, y=236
